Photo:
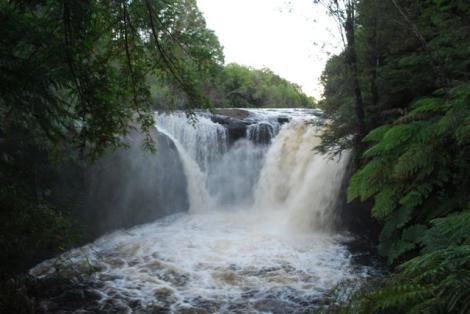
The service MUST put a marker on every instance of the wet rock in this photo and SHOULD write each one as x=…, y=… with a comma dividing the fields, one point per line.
x=164, y=295
x=233, y=113
x=116, y=262
x=154, y=265
x=47, y=306
x=174, y=277
x=153, y=309
x=192, y=310
x=355, y=216
x=115, y=306
x=261, y=133
x=134, y=262
x=283, y=119
x=236, y=128
x=273, y=306
x=228, y=277
x=109, y=277
x=80, y=296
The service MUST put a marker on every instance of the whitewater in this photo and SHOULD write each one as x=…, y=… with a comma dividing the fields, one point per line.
x=259, y=236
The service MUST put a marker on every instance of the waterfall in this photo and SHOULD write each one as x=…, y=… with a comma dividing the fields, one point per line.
x=286, y=178
x=257, y=239
x=203, y=140
x=225, y=176
x=199, y=198
x=299, y=182
x=263, y=132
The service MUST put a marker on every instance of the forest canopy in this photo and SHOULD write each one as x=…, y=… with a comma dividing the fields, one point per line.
x=399, y=95
x=238, y=86
x=242, y=86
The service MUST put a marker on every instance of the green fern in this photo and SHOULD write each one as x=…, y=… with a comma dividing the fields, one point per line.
x=397, y=135
x=367, y=181
x=448, y=231
x=429, y=105
x=385, y=203
x=436, y=282
x=415, y=158
x=417, y=169
x=377, y=134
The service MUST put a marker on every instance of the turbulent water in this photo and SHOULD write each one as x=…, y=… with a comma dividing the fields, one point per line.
x=258, y=237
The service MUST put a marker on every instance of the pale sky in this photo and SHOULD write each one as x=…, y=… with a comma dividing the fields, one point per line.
x=292, y=38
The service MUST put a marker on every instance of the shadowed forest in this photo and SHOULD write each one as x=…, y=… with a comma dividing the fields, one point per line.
x=84, y=86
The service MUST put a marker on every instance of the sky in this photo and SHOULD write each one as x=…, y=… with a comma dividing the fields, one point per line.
x=293, y=38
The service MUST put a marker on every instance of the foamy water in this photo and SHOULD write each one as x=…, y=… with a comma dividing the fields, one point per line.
x=219, y=262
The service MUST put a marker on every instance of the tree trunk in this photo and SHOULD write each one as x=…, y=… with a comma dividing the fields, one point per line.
x=351, y=60
x=375, y=59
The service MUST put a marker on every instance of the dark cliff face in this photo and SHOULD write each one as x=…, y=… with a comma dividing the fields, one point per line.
x=239, y=121
x=127, y=187
x=355, y=216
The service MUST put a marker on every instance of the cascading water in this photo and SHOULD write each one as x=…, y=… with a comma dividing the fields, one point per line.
x=297, y=182
x=203, y=140
x=258, y=237
x=227, y=174
x=199, y=198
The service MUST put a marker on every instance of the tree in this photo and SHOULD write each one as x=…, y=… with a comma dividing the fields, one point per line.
x=240, y=86
x=416, y=154
x=345, y=14
x=74, y=79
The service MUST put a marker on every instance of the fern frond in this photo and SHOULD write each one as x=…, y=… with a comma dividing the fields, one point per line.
x=398, y=134
x=413, y=159
x=367, y=181
x=426, y=133
x=412, y=199
x=385, y=203
x=414, y=233
x=462, y=134
x=376, y=150
x=377, y=134
x=437, y=282
x=448, y=231
x=429, y=105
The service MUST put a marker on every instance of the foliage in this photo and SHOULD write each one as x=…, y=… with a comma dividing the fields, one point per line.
x=413, y=71
x=240, y=86
x=436, y=281
x=80, y=67
x=417, y=169
x=400, y=58
x=74, y=79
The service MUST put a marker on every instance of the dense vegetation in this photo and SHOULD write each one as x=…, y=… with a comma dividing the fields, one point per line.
x=240, y=87
x=399, y=95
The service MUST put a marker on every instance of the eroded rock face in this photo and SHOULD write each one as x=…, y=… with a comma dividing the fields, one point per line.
x=133, y=186
x=128, y=187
